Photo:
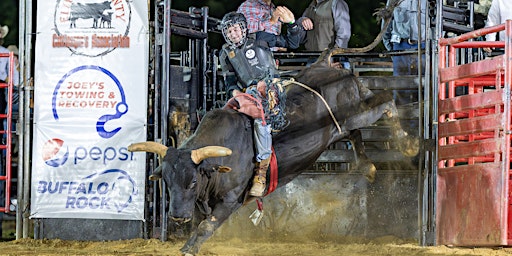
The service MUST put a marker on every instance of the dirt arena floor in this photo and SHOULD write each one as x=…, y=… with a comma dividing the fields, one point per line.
x=380, y=246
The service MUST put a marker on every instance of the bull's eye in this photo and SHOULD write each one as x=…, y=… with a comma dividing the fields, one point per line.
x=192, y=184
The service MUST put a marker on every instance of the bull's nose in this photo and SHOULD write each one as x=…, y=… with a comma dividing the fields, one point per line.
x=180, y=220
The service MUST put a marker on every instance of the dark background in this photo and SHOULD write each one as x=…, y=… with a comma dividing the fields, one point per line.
x=364, y=25
x=9, y=17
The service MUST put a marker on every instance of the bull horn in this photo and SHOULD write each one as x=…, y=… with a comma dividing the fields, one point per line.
x=200, y=154
x=149, y=146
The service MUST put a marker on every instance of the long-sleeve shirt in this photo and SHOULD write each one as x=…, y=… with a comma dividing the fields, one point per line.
x=331, y=24
x=405, y=23
x=258, y=14
x=500, y=11
x=4, y=67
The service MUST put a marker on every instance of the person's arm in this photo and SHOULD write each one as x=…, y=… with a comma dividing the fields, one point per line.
x=4, y=65
x=341, y=23
x=228, y=73
x=295, y=35
x=257, y=18
x=16, y=78
x=386, y=37
x=493, y=19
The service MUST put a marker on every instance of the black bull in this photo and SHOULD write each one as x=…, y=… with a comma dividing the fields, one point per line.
x=92, y=11
x=195, y=178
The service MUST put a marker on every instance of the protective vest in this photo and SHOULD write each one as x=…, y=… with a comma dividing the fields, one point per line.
x=251, y=63
x=323, y=35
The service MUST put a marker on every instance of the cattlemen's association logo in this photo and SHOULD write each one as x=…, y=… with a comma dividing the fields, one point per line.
x=92, y=27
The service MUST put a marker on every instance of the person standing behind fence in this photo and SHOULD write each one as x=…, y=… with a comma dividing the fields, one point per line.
x=500, y=11
x=402, y=34
x=4, y=66
x=264, y=24
x=327, y=23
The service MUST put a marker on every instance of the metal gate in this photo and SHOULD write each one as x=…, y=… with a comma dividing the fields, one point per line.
x=473, y=174
x=5, y=132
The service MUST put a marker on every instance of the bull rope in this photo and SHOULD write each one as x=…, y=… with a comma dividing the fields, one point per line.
x=292, y=81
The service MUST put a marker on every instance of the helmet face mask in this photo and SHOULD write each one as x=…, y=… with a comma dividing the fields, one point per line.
x=234, y=29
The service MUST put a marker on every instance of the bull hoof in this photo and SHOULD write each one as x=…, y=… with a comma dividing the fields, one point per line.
x=370, y=174
x=368, y=169
x=186, y=252
x=155, y=177
x=409, y=147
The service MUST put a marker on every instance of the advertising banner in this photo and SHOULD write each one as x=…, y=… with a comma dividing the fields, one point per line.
x=90, y=103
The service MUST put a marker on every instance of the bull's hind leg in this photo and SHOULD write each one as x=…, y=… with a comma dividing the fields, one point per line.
x=408, y=145
x=377, y=106
x=363, y=163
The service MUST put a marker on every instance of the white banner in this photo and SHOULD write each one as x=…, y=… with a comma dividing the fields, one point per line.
x=90, y=102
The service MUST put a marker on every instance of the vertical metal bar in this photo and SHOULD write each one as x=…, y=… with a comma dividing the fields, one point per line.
x=506, y=144
x=422, y=174
x=452, y=61
x=8, y=132
x=21, y=57
x=192, y=46
x=441, y=93
x=439, y=61
x=166, y=52
x=215, y=61
x=204, y=64
x=26, y=121
x=471, y=6
x=156, y=106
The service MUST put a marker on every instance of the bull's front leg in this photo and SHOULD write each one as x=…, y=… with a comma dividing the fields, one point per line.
x=205, y=230
x=199, y=236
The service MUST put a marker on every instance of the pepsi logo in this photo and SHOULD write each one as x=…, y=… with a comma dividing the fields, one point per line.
x=53, y=153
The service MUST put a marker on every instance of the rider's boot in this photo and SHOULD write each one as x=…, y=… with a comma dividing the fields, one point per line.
x=258, y=184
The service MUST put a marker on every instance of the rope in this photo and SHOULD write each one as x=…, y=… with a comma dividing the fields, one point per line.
x=292, y=81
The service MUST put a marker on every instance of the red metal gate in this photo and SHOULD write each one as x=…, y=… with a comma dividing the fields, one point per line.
x=473, y=178
x=5, y=145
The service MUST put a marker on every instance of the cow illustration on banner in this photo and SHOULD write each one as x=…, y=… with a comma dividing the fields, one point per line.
x=92, y=28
